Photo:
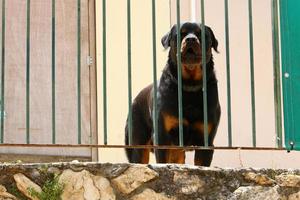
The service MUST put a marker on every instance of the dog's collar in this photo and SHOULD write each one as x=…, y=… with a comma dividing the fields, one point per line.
x=185, y=87
x=191, y=88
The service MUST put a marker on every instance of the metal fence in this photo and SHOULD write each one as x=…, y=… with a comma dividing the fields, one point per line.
x=54, y=65
x=277, y=80
x=54, y=143
x=53, y=72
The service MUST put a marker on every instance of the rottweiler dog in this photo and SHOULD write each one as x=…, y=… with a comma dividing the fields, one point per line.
x=167, y=101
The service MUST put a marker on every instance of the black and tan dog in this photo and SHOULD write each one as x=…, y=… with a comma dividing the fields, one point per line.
x=167, y=101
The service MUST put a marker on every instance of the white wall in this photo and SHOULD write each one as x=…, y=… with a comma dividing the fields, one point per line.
x=240, y=74
x=117, y=63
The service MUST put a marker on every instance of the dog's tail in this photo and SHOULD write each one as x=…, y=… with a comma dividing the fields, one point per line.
x=127, y=151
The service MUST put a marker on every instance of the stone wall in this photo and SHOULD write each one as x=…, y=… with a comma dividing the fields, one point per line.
x=92, y=181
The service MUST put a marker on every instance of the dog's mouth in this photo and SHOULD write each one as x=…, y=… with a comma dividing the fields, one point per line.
x=190, y=51
x=191, y=54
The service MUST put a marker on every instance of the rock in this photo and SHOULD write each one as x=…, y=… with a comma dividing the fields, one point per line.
x=149, y=194
x=106, y=191
x=256, y=193
x=24, y=184
x=133, y=178
x=288, y=180
x=4, y=195
x=53, y=170
x=85, y=186
x=295, y=196
x=188, y=183
x=260, y=179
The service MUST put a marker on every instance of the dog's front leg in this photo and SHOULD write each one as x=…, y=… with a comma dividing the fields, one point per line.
x=167, y=124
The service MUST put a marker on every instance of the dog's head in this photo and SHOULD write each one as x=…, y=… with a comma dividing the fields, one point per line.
x=191, y=48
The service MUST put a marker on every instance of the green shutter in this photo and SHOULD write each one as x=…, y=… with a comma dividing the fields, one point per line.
x=290, y=52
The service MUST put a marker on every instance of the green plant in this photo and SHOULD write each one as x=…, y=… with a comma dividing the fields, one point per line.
x=51, y=190
x=14, y=191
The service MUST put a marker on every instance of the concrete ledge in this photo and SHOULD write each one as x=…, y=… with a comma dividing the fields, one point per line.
x=89, y=181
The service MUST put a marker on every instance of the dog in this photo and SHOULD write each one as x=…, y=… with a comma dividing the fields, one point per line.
x=167, y=101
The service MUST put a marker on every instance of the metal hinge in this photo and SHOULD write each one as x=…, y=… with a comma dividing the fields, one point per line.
x=2, y=115
x=89, y=60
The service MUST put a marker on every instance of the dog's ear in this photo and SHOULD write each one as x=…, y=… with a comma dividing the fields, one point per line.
x=166, y=39
x=214, y=40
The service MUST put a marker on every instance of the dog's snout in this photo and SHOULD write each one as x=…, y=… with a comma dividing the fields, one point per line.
x=191, y=38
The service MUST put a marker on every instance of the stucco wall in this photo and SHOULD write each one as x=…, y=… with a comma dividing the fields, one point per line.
x=240, y=74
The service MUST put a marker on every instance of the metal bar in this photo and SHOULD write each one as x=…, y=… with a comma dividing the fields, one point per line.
x=79, y=69
x=204, y=74
x=28, y=73
x=53, y=74
x=276, y=72
x=179, y=75
x=155, y=117
x=2, y=72
x=229, y=122
x=143, y=147
x=129, y=72
x=252, y=74
x=104, y=71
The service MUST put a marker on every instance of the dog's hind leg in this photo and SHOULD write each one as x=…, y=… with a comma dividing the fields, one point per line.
x=170, y=156
x=203, y=157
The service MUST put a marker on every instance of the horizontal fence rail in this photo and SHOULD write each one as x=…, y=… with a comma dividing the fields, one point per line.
x=143, y=147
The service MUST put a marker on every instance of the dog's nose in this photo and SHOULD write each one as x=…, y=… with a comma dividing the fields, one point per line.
x=191, y=38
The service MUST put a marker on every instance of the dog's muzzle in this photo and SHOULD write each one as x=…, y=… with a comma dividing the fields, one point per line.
x=191, y=38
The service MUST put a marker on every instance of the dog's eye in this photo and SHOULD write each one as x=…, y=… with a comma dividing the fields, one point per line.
x=183, y=33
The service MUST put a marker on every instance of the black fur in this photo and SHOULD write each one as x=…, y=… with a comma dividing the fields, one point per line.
x=192, y=95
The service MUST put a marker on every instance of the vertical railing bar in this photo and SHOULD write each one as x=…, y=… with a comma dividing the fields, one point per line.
x=28, y=73
x=155, y=117
x=252, y=74
x=2, y=72
x=53, y=74
x=129, y=72
x=204, y=73
x=276, y=72
x=228, y=75
x=179, y=75
x=104, y=71
x=79, y=68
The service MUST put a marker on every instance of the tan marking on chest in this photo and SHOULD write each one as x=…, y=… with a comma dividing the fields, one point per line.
x=170, y=122
x=194, y=74
x=200, y=127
